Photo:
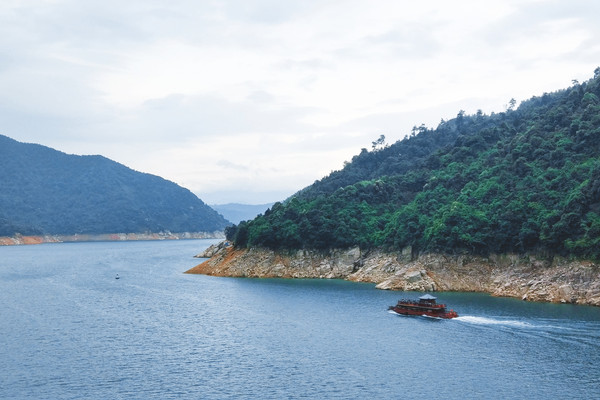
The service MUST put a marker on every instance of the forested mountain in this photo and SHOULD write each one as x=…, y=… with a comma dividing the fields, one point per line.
x=44, y=191
x=524, y=180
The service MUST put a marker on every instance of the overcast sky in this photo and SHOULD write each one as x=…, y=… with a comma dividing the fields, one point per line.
x=250, y=101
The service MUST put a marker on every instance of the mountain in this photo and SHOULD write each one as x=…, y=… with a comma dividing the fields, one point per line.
x=45, y=191
x=236, y=212
x=523, y=181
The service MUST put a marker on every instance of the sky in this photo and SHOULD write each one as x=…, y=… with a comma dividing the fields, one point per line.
x=250, y=101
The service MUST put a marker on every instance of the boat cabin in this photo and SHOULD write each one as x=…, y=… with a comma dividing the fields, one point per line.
x=427, y=299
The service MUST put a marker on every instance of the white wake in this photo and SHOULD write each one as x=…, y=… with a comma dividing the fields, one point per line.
x=493, y=321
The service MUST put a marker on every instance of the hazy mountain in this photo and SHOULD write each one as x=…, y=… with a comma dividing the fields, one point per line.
x=45, y=191
x=236, y=212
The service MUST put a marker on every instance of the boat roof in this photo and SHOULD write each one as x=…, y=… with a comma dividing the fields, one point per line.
x=427, y=297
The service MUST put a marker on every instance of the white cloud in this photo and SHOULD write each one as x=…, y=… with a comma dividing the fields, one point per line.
x=237, y=98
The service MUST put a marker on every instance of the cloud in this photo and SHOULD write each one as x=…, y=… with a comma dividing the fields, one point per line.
x=267, y=96
x=266, y=11
x=406, y=41
x=230, y=165
x=208, y=116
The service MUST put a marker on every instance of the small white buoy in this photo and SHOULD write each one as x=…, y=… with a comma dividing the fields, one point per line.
x=117, y=277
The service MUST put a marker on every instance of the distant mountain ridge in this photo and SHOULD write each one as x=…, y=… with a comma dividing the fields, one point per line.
x=45, y=191
x=236, y=212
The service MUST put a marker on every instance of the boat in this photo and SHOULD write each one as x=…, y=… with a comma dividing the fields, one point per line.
x=426, y=306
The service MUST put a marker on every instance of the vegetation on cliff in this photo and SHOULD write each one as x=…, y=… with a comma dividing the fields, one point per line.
x=527, y=179
x=44, y=191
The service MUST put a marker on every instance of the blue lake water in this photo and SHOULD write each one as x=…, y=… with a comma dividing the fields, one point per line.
x=70, y=330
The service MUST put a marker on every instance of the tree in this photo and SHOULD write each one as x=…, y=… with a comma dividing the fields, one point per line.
x=511, y=104
x=379, y=143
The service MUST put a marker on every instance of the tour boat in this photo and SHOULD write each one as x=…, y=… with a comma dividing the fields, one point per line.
x=426, y=306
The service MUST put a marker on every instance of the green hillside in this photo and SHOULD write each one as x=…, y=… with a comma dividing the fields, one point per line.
x=44, y=191
x=524, y=180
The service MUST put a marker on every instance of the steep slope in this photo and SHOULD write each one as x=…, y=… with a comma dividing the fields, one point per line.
x=525, y=180
x=45, y=191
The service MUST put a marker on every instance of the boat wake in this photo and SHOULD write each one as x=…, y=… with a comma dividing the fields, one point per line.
x=584, y=334
x=492, y=321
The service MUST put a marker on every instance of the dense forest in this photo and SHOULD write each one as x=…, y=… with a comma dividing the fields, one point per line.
x=44, y=191
x=523, y=180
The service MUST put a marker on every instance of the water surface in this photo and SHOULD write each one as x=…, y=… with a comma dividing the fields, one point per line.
x=70, y=330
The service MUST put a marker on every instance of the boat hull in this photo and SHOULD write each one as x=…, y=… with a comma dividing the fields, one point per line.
x=424, y=313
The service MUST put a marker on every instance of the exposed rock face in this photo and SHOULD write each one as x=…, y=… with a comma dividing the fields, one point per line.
x=524, y=277
x=262, y=263
x=212, y=250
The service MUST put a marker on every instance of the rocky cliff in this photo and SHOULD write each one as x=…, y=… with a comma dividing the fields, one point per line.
x=524, y=277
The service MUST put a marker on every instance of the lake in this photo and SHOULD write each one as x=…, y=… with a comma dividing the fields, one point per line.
x=70, y=330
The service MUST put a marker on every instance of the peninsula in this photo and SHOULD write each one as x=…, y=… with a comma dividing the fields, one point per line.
x=506, y=203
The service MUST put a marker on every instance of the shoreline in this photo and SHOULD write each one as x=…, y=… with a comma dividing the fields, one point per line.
x=19, y=240
x=526, y=277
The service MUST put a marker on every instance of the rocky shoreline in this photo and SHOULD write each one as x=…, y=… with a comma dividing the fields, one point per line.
x=107, y=237
x=526, y=277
